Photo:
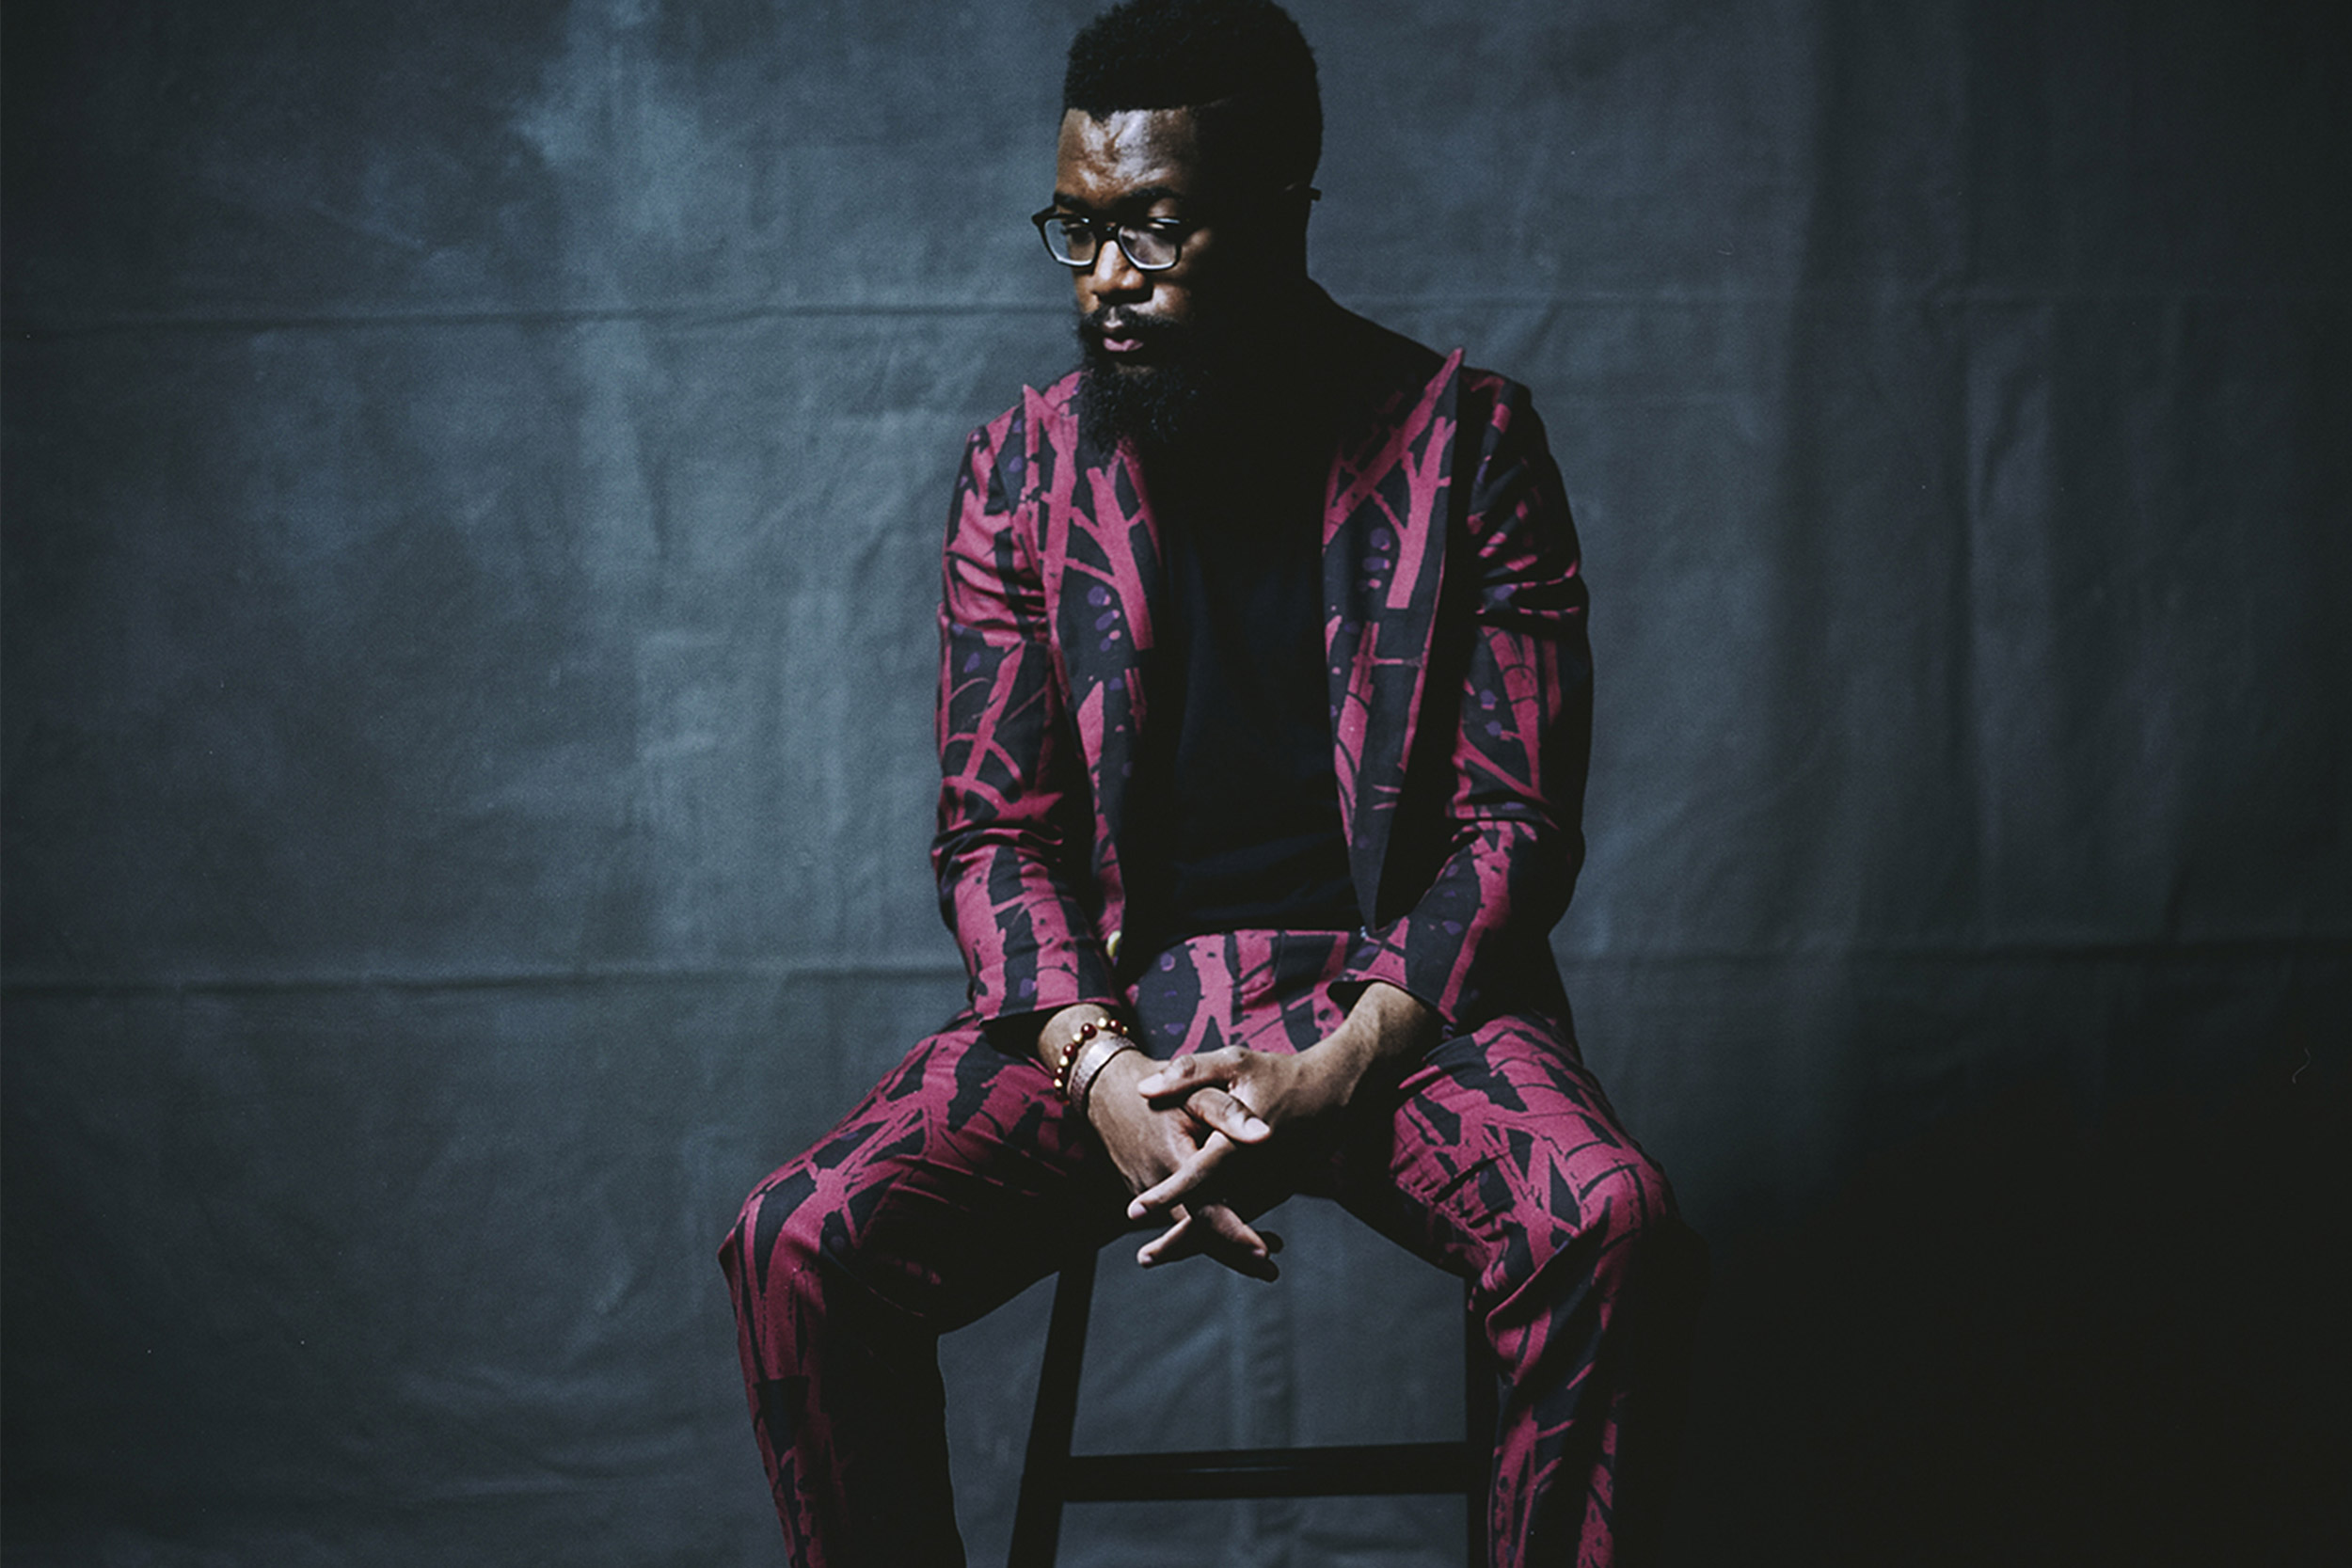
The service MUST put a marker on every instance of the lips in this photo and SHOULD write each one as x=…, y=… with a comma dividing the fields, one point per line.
x=1125, y=336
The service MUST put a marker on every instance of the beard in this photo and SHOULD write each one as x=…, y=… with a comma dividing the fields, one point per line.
x=1193, y=396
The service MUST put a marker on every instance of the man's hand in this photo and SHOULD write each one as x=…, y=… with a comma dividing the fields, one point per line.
x=1149, y=1142
x=1260, y=1104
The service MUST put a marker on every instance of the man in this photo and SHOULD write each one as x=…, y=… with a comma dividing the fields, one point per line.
x=1264, y=710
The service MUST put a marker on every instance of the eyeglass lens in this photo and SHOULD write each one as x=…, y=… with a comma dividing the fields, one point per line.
x=1073, y=241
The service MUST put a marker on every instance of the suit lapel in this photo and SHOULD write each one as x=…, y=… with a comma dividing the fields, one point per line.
x=1383, y=560
x=1100, y=552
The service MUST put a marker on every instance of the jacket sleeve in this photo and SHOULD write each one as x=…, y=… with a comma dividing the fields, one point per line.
x=1518, y=702
x=1013, y=807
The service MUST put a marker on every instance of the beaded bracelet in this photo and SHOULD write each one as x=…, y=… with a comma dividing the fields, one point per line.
x=1069, y=1058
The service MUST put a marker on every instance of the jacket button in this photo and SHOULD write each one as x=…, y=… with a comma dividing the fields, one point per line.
x=1111, y=945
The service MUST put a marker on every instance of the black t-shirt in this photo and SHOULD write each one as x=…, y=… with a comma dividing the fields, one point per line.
x=1241, y=821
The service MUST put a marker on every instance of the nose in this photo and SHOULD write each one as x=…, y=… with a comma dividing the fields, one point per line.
x=1113, y=276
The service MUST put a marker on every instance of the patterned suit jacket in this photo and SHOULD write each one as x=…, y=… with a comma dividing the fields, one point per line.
x=1460, y=688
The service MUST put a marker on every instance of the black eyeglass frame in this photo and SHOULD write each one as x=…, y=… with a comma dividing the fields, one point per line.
x=1112, y=231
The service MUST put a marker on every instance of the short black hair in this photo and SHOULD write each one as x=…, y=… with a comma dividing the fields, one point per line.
x=1246, y=57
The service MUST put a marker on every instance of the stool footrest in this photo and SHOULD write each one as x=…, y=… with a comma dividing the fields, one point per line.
x=1376, y=1469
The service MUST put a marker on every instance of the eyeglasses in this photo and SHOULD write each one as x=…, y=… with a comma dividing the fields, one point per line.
x=1155, y=244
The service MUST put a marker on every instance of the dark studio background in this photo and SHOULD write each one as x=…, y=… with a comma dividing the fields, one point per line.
x=473, y=478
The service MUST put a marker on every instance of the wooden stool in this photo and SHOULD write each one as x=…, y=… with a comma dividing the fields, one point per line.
x=1051, y=1475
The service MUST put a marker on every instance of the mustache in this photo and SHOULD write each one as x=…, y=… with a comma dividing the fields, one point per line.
x=1110, y=321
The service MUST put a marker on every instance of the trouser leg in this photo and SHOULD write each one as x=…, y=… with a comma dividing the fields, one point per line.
x=1505, y=1162
x=953, y=1186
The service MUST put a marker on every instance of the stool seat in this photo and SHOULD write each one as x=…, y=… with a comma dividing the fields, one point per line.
x=1052, y=1476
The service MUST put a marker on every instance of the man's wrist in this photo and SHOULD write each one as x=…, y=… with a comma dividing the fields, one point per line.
x=1088, y=1061
x=1386, y=1025
x=1060, y=1027
x=1394, y=1020
x=1076, y=1042
x=1115, y=1080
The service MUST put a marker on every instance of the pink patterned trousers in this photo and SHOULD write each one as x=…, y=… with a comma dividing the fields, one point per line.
x=961, y=1181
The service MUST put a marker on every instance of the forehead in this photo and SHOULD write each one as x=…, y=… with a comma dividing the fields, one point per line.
x=1103, y=161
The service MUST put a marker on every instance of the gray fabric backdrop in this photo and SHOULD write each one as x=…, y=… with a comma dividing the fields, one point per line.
x=472, y=483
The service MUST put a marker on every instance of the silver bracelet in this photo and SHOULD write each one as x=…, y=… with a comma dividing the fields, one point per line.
x=1082, y=1082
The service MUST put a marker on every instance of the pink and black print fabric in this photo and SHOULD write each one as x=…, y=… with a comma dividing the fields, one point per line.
x=960, y=1179
x=1461, y=686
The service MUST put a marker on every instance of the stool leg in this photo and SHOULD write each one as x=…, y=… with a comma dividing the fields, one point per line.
x=1036, y=1514
x=1480, y=1412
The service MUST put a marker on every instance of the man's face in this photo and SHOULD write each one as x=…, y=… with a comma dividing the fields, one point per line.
x=1138, y=166
x=1165, y=352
